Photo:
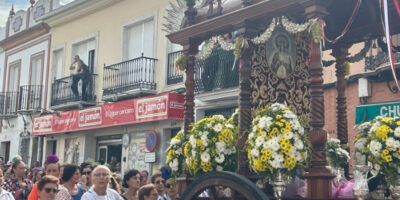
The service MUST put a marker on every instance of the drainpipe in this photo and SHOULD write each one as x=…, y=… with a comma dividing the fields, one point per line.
x=40, y=150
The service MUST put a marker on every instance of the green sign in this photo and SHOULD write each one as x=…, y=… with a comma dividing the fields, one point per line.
x=368, y=112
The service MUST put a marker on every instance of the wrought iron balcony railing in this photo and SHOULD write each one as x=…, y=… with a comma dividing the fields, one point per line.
x=373, y=62
x=30, y=97
x=174, y=75
x=135, y=74
x=61, y=91
x=9, y=103
x=218, y=71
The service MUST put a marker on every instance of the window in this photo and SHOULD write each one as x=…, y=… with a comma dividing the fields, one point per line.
x=85, y=50
x=57, y=71
x=36, y=70
x=138, y=39
x=13, y=82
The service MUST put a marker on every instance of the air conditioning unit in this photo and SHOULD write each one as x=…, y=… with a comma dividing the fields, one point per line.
x=364, y=88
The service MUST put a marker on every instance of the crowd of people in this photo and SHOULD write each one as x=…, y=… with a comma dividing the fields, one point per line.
x=88, y=181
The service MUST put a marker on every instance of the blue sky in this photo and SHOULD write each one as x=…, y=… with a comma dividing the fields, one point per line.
x=5, y=6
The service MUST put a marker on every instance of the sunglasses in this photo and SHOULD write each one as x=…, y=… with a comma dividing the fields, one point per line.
x=160, y=182
x=49, y=190
x=167, y=185
x=87, y=173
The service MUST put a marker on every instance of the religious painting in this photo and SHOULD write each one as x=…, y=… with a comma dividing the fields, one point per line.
x=280, y=73
x=281, y=53
x=72, y=148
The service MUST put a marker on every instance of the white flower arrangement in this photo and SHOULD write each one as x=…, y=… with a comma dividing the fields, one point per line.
x=175, y=157
x=277, y=141
x=336, y=155
x=212, y=146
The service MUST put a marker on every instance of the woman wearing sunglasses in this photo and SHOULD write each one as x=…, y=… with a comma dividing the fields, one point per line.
x=48, y=188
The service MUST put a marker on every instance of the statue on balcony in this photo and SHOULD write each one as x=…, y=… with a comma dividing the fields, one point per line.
x=80, y=72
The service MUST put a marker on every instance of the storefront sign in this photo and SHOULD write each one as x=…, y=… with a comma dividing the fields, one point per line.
x=158, y=107
x=151, y=140
x=370, y=111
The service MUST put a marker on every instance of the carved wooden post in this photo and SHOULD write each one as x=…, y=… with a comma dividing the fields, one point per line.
x=340, y=53
x=318, y=177
x=244, y=107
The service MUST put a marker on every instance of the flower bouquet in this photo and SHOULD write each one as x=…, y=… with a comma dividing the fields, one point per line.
x=175, y=157
x=336, y=153
x=382, y=149
x=211, y=146
x=277, y=142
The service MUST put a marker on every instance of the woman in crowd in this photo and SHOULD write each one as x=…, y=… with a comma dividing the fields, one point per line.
x=52, y=167
x=70, y=189
x=148, y=192
x=100, y=179
x=48, y=187
x=86, y=177
x=172, y=191
x=159, y=182
x=4, y=194
x=19, y=186
x=131, y=182
x=37, y=174
x=114, y=183
x=145, y=178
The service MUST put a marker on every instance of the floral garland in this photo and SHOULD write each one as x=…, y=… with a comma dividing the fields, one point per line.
x=207, y=49
x=381, y=139
x=212, y=146
x=266, y=35
x=181, y=62
x=175, y=157
x=293, y=27
x=336, y=154
x=227, y=46
x=277, y=141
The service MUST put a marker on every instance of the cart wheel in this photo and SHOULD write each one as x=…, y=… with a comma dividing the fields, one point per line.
x=240, y=186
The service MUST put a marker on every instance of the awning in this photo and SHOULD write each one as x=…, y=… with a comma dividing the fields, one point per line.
x=168, y=106
x=368, y=112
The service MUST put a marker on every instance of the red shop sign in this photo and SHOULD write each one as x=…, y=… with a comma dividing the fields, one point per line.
x=158, y=107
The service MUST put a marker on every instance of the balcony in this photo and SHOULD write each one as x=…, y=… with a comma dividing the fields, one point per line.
x=380, y=60
x=8, y=104
x=130, y=78
x=30, y=98
x=217, y=72
x=62, y=97
x=174, y=75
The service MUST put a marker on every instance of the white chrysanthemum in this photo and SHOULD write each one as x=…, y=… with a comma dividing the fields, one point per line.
x=373, y=128
x=299, y=157
x=204, y=139
x=220, y=158
x=192, y=141
x=228, y=151
x=220, y=116
x=219, y=168
x=194, y=153
x=255, y=153
x=288, y=114
x=209, y=125
x=278, y=157
x=375, y=148
x=364, y=126
x=343, y=153
x=278, y=106
x=259, y=141
x=251, y=135
x=205, y=157
x=254, y=129
x=273, y=144
x=233, y=150
x=174, y=142
x=293, y=152
x=175, y=164
x=334, y=140
x=397, y=132
x=288, y=135
x=229, y=126
x=301, y=130
x=391, y=142
x=179, y=151
x=360, y=144
x=220, y=147
x=298, y=144
x=262, y=123
x=218, y=128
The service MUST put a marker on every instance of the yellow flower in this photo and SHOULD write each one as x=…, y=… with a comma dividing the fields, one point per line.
x=388, y=158
x=278, y=116
x=258, y=164
x=186, y=150
x=382, y=132
x=398, y=123
x=268, y=129
x=171, y=154
x=274, y=131
x=388, y=119
x=289, y=163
